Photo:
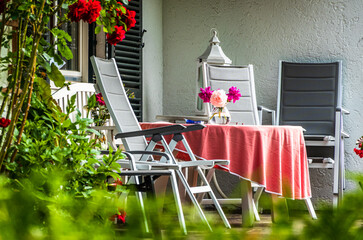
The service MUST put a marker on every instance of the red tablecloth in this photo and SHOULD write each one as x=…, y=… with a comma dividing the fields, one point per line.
x=272, y=156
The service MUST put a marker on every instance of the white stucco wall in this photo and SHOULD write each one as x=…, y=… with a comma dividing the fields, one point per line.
x=152, y=60
x=261, y=33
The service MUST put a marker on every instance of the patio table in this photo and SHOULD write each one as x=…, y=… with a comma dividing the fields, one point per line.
x=271, y=156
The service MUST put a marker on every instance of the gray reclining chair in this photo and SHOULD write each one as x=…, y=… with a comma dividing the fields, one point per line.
x=310, y=95
x=110, y=85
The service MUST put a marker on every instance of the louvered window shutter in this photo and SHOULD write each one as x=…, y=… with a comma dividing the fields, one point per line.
x=128, y=56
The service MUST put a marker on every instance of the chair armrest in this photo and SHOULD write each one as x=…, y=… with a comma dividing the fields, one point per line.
x=194, y=127
x=346, y=112
x=343, y=110
x=206, y=163
x=262, y=109
x=163, y=154
x=154, y=164
x=149, y=132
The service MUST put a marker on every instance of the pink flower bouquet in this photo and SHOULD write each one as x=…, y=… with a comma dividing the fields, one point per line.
x=219, y=99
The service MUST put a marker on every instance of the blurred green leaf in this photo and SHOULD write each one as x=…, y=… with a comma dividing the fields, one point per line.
x=56, y=76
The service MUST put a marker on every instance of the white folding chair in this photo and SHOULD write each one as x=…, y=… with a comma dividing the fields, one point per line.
x=110, y=85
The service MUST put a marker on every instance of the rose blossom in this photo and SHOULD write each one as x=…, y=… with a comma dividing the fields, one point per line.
x=4, y=122
x=78, y=10
x=117, y=36
x=219, y=98
x=94, y=8
x=205, y=94
x=233, y=94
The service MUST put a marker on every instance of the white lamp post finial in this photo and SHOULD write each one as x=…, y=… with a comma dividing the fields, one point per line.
x=214, y=53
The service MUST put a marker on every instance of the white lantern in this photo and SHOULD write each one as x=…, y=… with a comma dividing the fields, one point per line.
x=213, y=55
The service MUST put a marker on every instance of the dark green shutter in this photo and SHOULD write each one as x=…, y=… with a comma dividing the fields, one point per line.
x=128, y=56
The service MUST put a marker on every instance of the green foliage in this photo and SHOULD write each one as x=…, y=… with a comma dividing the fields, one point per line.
x=52, y=142
x=30, y=213
x=39, y=47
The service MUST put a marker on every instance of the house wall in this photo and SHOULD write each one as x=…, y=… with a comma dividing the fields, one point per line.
x=152, y=60
x=261, y=33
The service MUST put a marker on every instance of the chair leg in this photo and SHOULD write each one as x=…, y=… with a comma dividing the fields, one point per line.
x=214, y=199
x=208, y=178
x=193, y=199
x=255, y=211
x=179, y=209
x=310, y=207
x=153, y=213
x=257, y=195
x=142, y=206
x=139, y=197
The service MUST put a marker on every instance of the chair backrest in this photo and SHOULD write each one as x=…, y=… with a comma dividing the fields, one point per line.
x=308, y=96
x=223, y=77
x=109, y=83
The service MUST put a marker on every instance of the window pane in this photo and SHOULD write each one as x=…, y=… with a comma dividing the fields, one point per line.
x=73, y=30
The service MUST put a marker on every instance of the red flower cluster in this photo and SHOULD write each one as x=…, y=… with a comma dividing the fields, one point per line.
x=4, y=122
x=117, y=182
x=117, y=36
x=87, y=11
x=359, y=152
x=130, y=19
x=120, y=216
x=100, y=99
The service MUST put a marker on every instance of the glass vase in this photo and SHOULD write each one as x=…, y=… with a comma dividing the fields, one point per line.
x=220, y=116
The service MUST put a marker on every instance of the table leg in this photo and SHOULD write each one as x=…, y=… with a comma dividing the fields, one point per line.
x=248, y=217
x=279, y=213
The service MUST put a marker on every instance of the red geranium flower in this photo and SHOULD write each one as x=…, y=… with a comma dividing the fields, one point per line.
x=117, y=182
x=100, y=99
x=121, y=215
x=117, y=36
x=78, y=10
x=130, y=19
x=359, y=152
x=94, y=8
x=4, y=122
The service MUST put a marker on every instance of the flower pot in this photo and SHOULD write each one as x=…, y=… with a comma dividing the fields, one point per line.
x=220, y=116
